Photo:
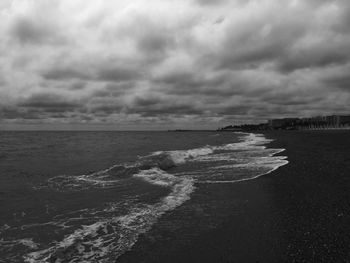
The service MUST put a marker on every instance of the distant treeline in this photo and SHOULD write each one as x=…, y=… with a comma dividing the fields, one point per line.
x=320, y=122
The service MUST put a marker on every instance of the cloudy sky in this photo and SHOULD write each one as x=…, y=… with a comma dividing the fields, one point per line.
x=162, y=64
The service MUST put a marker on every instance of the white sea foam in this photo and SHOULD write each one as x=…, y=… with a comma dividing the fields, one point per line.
x=109, y=236
x=240, y=161
x=158, y=177
x=246, y=160
x=181, y=156
x=27, y=242
x=112, y=236
x=273, y=168
x=249, y=141
x=110, y=177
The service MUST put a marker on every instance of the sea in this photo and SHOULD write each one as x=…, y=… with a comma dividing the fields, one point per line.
x=87, y=196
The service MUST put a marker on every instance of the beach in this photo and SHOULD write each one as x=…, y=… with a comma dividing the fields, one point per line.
x=298, y=213
x=281, y=196
x=90, y=196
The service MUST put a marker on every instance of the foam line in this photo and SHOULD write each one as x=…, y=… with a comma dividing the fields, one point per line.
x=113, y=236
x=107, y=234
x=245, y=179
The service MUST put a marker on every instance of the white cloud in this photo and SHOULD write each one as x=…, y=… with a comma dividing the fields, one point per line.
x=177, y=60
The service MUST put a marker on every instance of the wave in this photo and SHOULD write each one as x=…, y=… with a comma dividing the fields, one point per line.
x=113, y=236
x=262, y=168
x=240, y=161
x=181, y=156
x=249, y=141
x=27, y=242
x=106, y=233
x=163, y=160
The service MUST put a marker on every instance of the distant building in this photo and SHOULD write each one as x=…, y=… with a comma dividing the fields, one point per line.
x=318, y=122
x=286, y=123
x=344, y=120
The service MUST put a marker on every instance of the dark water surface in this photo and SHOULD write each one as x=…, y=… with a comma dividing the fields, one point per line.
x=87, y=196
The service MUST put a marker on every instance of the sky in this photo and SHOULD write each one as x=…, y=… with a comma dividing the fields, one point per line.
x=166, y=64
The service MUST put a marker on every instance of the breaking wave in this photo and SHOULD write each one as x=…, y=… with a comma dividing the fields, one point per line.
x=97, y=235
x=112, y=236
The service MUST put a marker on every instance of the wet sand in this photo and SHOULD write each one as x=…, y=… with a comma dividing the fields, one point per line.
x=298, y=213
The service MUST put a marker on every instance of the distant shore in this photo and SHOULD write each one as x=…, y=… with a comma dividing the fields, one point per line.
x=318, y=122
x=271, y=130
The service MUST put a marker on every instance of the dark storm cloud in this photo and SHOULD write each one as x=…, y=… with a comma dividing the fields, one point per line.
x=33, y=24
x=106, y=72
x=186, y=83
x=145, y=102
x=211, y=2
x=118, y=74
x=289, y=99
x=339, y=81
x=15, y=113
x=49, y=102
x=29, y=31
x=165, y=110
x=235, y=110
x=156, y=106
x=78, y=85
x=253, y=52
x=105, y=110
x=173, y=61
x=155, y=42
x=114, y=89
x=29, y=113
x=324, y=55
x=64, y=74
x=178, y=78
x=285, y=41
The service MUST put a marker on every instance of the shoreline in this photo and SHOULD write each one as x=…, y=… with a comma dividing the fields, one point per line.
x=286, y=130
x=297, y=213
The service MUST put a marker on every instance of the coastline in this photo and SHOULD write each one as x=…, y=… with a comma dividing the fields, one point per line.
x=297, y=213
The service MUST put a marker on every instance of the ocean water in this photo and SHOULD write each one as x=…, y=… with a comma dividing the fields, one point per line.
x=87, y=196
